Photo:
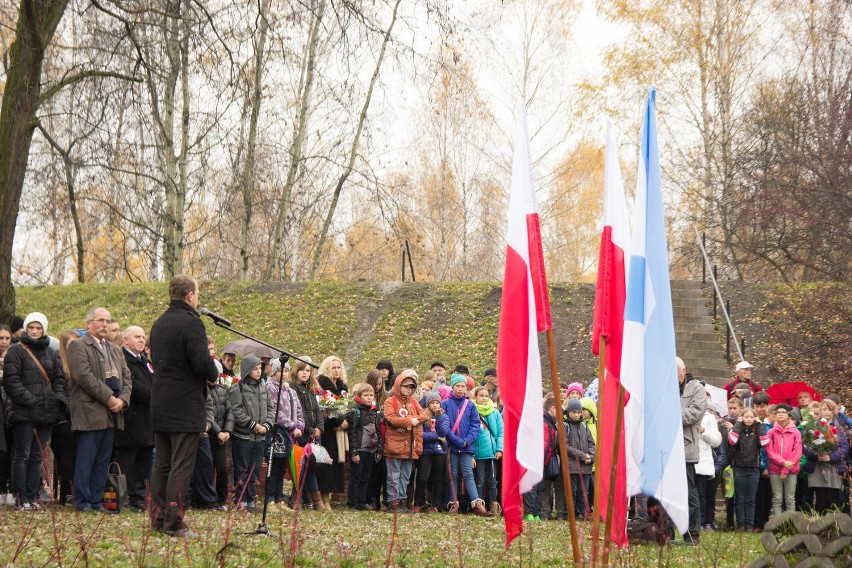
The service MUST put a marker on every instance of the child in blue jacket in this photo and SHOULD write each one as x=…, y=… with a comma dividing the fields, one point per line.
x=464, y=429
x=488, y=448
x=432, y=466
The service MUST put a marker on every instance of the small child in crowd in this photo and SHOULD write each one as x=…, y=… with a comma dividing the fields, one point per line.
x=404, y=418
x=487, y=448
x=532, y=498
x=784, y=451
x=289, y=424
x=581, y=456
x=432, y=469
x=365, y=444
x=745, y=439
x=463, y=432
x=253, y=418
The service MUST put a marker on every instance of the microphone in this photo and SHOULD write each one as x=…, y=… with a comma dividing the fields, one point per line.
x=215, y=317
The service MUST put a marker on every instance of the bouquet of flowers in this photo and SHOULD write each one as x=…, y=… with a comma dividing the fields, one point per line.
x=817, y=434
x=335, y=406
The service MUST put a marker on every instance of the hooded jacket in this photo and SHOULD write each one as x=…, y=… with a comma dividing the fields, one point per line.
x=490, y=438
x=592, y=422
x=579, y=442
x=432, y=444
x=785, y=444
x=289, y=411
x=693, y=404
x=402, y=439
x=250, y=406
x=462, y=438
x=708, y=440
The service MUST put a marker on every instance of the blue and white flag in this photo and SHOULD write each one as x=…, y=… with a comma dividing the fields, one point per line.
x=656, y=464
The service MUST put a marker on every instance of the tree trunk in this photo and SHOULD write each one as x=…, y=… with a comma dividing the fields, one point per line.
x=175, y=188
x=248, y=171
x=70, y=182
x=37, y=22
x=296, y=146
x=353, y=151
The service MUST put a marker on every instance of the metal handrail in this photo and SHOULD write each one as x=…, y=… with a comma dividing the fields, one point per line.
x=718, y=294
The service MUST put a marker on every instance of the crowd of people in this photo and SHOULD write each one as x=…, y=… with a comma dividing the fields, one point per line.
x=189, y=431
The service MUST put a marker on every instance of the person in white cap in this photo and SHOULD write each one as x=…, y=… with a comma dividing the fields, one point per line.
x=742, y=375
x=35, y=388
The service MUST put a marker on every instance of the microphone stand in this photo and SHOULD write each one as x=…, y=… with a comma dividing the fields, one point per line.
x=283, y=357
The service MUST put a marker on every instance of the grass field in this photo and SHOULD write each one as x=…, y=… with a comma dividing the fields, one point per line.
x=338, y=538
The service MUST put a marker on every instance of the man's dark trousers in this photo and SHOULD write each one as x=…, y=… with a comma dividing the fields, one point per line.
x=174, y=451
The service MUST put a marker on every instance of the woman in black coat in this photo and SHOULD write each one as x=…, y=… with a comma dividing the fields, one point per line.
x=332, y=378
x=35, y=387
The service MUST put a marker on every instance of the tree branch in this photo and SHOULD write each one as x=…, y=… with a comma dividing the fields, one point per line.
x=71, y=79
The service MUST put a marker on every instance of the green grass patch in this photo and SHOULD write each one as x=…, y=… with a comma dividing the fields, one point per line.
x=338, y=538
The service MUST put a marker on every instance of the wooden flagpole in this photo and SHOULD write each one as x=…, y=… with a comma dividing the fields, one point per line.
x=616, y=448
x=596, y=511
x=563, y=449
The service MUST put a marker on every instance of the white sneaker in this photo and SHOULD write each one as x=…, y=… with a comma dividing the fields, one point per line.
x=9, y=500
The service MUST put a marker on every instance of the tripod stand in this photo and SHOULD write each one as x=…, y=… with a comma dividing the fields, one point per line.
x=283, y=357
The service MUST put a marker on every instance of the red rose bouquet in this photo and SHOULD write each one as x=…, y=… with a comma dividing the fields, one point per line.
x=817, y=434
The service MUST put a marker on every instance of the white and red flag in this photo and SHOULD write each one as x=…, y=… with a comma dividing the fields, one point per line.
x=524, y=313
x=610, y=295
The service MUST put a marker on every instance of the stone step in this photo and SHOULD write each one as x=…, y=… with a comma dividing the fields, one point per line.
x=703, y=336
x=690, y=312
x=702, y=327
x=706, y=351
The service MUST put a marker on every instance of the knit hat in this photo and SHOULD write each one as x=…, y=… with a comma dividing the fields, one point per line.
x=492, y=372
x=574, y=387
x=456, y=379
x=274, y=366
x=574, y=405
x=786, y=407
x=36, y=317
x=445, y=392
x=461, y=369
x=433, y=395
x=248, y=363
x=17, y=323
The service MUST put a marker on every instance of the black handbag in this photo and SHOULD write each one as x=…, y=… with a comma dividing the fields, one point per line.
x=115, y=493
x=551, y=468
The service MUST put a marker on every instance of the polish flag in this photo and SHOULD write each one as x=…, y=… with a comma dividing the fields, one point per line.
x=525, y=312
x=610, y=295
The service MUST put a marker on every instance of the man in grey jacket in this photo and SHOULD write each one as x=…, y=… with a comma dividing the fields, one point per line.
x=693, y=404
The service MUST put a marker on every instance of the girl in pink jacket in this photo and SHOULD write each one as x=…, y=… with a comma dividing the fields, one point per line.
x=784, y=451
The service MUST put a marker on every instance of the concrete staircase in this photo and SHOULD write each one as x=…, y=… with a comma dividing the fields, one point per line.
x=695, y=336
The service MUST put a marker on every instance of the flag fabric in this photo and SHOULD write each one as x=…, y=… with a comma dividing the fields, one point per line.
x=525, y=311
x=656, y=465
x=610, y=295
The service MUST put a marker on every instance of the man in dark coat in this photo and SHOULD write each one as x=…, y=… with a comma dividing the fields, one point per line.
x=134, y=446
x=183, y=365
